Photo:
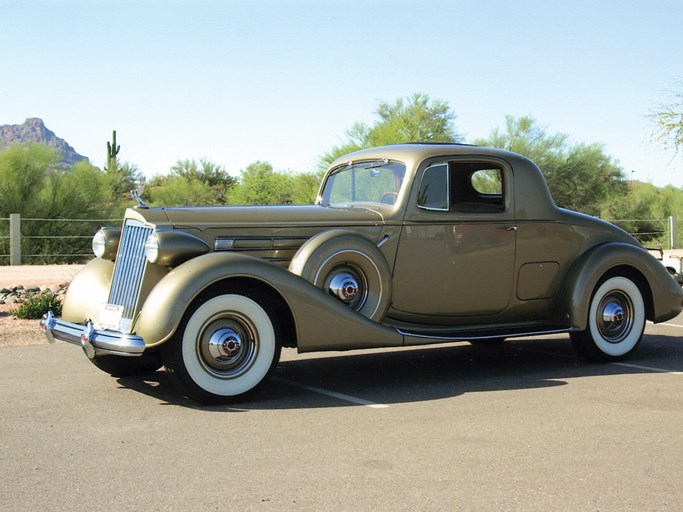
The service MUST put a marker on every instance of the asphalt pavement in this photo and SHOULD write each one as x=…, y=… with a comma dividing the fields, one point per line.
x=521, y=426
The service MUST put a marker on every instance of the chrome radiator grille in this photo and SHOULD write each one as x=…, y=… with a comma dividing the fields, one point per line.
x=130, y=266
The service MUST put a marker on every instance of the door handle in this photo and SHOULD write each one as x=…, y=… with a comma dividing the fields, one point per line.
x=510, y=228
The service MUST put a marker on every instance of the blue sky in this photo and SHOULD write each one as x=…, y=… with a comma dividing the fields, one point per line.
x=281, y=81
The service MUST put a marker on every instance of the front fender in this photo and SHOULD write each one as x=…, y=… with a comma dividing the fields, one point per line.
x=595, y=263
x=321, y=322
x=87, y=291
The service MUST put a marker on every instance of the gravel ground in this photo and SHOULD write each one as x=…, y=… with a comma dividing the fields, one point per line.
x=39, y=275
x=26, y=332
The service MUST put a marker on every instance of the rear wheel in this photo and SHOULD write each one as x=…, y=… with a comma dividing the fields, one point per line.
x=225, y=348
x=616, y=321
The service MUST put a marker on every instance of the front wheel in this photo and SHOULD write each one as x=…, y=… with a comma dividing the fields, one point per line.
x=225, y=347
x=616, y=321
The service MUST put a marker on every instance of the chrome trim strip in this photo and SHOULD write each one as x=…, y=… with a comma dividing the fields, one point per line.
x=448, y=188
x=484, y=337
x=222, y=244
x=255, y=243
x=93, y=341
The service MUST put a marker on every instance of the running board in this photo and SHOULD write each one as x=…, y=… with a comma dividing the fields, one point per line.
x=420, y=338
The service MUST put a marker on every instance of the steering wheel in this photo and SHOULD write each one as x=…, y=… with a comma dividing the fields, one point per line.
x=389, y=198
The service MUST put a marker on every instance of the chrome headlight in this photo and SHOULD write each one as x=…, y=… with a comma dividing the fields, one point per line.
x=152, y=248
x=105, y=243
x=171, y=248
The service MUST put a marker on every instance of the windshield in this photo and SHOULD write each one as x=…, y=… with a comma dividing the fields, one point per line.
x=377, y=181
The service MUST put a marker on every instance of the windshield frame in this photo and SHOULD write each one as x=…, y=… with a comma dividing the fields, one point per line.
x=394, y=167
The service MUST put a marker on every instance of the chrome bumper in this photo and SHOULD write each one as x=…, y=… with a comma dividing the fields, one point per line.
x=92, y=341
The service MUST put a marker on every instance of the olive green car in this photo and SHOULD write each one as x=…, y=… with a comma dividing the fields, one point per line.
x=406, y=245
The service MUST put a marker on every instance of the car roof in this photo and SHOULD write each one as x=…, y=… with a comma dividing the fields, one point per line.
x=416, y=152
x=532, y=199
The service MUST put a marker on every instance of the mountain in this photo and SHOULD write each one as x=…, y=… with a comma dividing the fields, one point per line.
x=34, y=130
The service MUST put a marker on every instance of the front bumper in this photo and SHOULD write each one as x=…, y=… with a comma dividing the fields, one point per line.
x=94, y=342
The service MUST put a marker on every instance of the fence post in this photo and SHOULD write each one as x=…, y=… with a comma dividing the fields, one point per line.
x=15, y=239
x=672, y=232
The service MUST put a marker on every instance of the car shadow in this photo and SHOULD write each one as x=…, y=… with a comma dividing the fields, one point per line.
x=421, y=374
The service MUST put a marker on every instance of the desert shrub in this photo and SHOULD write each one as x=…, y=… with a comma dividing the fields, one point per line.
x=35, y=307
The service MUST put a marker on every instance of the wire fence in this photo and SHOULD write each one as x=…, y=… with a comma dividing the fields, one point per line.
x=36, y=241
x=660, y=233
x=39, y=241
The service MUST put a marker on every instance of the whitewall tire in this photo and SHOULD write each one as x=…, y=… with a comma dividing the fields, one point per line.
x=226, y=346
x=616, y=321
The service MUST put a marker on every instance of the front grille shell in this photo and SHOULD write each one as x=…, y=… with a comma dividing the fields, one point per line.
x=129, y=269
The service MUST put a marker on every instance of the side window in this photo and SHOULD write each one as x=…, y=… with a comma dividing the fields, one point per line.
x=488, y=182
x=434, y=188
x=477, y=187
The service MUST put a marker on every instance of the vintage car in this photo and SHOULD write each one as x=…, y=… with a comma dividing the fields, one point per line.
x=406, y=245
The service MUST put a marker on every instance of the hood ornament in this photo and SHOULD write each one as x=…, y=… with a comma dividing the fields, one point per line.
x=136, y=194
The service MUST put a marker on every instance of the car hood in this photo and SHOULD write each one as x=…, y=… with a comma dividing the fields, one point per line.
x=258, y=216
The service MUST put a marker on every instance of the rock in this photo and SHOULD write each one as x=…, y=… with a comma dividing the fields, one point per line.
x=32, y=131
x=32, y=288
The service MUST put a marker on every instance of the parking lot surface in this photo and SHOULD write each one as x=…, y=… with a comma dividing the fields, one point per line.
x=525, y=425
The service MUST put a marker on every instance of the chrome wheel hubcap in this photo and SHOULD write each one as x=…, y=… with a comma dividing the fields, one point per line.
x=345, y=287
x=227, y=346
x=348, y=284
x=615, y=317
x=224, y=343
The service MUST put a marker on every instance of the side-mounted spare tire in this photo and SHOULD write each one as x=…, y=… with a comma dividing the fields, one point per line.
x=348, y=267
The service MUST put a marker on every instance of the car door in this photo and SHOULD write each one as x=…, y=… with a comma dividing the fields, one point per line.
x=456, y=253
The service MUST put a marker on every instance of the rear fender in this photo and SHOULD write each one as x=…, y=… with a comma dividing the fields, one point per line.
x=661, y=294
x=321, y=322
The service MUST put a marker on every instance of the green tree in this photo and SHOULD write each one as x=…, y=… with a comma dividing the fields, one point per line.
x=305, y=187
x=211, y=174
x=635, y=212
x=580, y=176
x=644, y=210
x=417, y=118
x=31, y=185
x=668, y=121
x=83, y=192
x=260, y=184
x=191, y=183
x=23, y=172
x=179, y=191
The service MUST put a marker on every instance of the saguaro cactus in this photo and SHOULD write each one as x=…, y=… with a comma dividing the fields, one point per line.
x=112, y=150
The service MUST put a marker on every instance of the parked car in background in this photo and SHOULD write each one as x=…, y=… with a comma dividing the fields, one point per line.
x=671, y=262
x=410, y=244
